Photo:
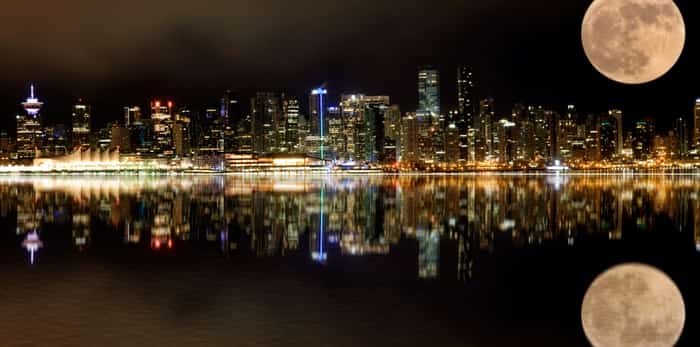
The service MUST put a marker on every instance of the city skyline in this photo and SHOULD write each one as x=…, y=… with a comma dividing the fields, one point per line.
x=362, y=131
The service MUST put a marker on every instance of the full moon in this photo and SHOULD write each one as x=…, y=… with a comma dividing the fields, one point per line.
x=633, y=305
x=633, y=41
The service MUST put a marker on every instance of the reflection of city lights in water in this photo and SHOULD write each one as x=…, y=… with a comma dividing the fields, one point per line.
x=32, y=243
x=320, y=255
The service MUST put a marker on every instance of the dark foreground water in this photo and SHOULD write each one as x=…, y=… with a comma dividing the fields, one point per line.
x=330, y=261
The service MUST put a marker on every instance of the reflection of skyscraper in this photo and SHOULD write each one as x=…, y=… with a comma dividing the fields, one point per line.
x=428, y=253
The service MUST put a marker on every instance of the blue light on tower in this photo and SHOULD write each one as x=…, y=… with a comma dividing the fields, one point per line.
x=320, y=92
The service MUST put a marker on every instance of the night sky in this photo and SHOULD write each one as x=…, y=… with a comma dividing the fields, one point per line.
x=117, y=53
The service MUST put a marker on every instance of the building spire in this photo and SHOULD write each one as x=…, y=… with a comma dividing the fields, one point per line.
x=31, y=90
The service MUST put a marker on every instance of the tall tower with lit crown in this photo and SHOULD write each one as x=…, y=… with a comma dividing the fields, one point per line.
x=29, y=127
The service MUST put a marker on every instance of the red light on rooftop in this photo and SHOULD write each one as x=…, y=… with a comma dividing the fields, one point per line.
x=157, y=103
x=170, y=104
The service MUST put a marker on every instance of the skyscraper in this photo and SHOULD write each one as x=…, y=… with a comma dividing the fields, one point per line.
x=696, y=125
x=161, y=117
x=483, y=124
x=291, y=113
x=429, y=91
x=29, y=127
x=680, y=131
x=81, y=125
x=317, y=114
x=617, y=117
x=132, y=114
x=643, y=136
x=465, y=109
x=335, y=136
x=266, y=109
x=409, y=139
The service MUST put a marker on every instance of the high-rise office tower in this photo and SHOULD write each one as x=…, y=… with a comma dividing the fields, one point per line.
x=121, y=139
x=132, y=114
x=81, y=125
x=465, y=109
x=351, y=111
x=608, y=138
x=55, y=140
x=429, y=91
x=214, y=125
x=231, y=115
x=335, y=136
x=541, y=120
x=592, y=139
x=181, y=139
x=374, y=112
x=680, y=131
x=266, y=110
x=452, y=149
x=566, y=132
x=392, y=133
x=643, y=137
x=29, y=127
x=409, y=139
x=317, y=111
x=161, y=118
x=483, y=124
x=364, y=123
x=505, y=141
x=617, y=117
x=696, y=125
x=291, y=114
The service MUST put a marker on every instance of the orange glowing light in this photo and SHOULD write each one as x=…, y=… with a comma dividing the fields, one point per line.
x=170, y=104
x=170, y=243
x=157, y=103
x=157, y=244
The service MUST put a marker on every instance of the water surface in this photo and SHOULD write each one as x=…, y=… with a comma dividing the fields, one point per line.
x=330, y=261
